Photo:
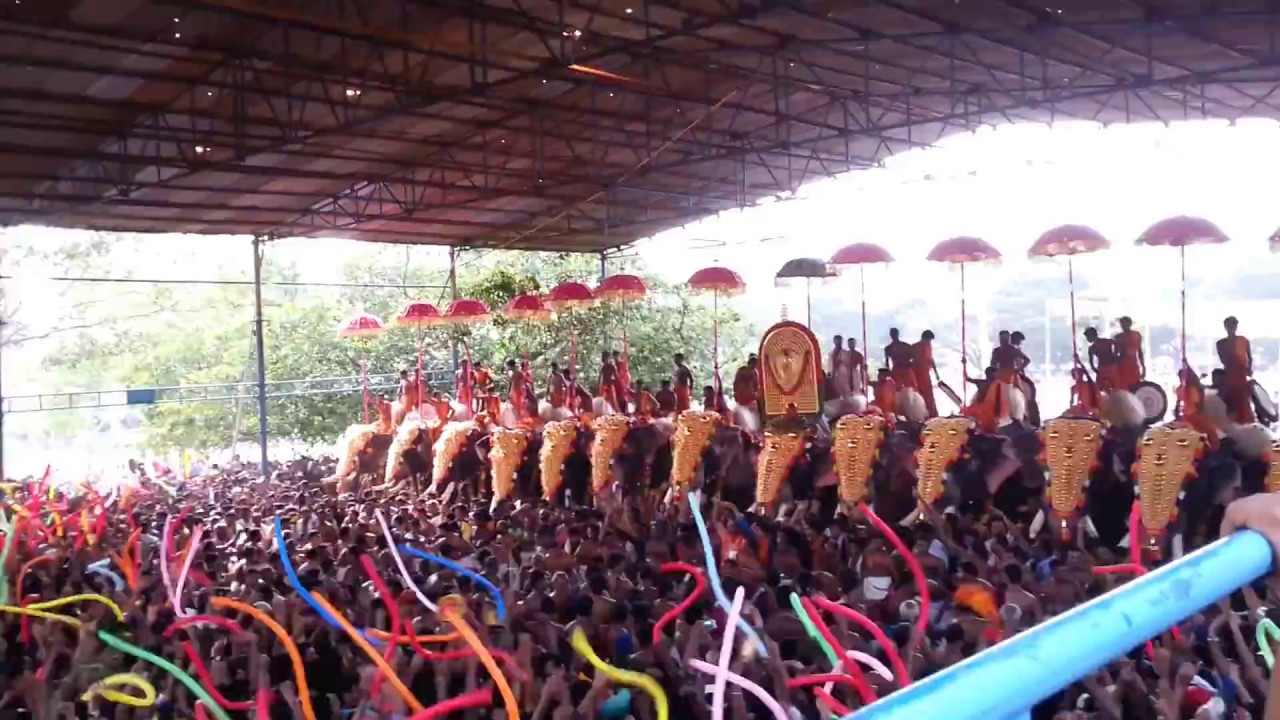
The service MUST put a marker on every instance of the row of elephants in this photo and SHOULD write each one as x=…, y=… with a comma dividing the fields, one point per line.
x=1074, y=472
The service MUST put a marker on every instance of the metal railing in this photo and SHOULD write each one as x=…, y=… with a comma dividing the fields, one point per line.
x=214, y=392
x=1005, y=681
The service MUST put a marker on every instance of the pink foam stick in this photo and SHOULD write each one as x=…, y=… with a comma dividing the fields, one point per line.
x=917, y=572
x=895, y=660
x=764, y=697
x=186, y=568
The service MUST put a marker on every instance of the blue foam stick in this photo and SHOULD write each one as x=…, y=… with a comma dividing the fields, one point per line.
x=1006, y=680
x=713, y=575
x=295, y=582
x=108, y=573
x=493, y=590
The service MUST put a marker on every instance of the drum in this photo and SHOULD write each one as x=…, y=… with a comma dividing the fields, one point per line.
x=1154, y=401
x=1263, y=406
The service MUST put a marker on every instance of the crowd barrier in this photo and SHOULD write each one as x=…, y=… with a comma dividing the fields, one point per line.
x=1007, y=680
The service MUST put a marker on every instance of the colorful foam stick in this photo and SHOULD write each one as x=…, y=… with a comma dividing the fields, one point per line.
x=192, y=547
x=105, y=689
x=917, y=572
x=454, y=617
x=699, y=587
x=865, y=692
x=1267, y=633
x=190, y=682
x=404, y=572
x=473, y=699
x=13, y=609
x=624, y=677
x=364, y=645
x=494, y=592
x=393, y=613
x=895, y=660
x=51, y=604
x=299, y=671
x=714, y=575
x=726, y=650
x=769, y=701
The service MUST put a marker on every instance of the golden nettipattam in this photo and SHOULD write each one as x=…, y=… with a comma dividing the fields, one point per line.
x=1070, y=452
x=452, y=439
x=505, y=456
x=941, y=441
x=1273, y=474
x=610, y=432
x=557, y=443
x=781, y=449
x=1166, y=459
x=694, y=430
x=855, y=445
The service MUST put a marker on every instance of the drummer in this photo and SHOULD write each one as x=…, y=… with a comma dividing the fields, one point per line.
x=1237, y=363
x=1102, y=359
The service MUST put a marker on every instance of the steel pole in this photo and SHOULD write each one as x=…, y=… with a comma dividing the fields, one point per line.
x=258, y=254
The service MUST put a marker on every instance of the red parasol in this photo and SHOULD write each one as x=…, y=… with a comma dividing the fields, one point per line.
x=1180, y=232
x=527, y=307
x=961, y=251
x=622, y=288
x=419, y=314
x=570, y=296
x=861, y=255
x=362, y=325
x=718, y=281
x=1069, y=241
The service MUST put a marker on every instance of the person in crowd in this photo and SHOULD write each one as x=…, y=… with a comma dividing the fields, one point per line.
x=1237, y=364
x=608, y=388
x=899, y=356
x=682, y=382
x=1102, y=360
x=746, y=382
x=666, y=397
x=857, y=364
x=1131, y=364
x=922, y=365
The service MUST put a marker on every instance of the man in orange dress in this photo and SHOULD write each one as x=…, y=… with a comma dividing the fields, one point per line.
x=1191, y=407
x=557, y=388
x=516, y=389
x=1084, y=394
x=886, y=394
x=646, y=403
x=623, y=391
x=857, y=369
x=682, y=380
x=921, y=364
x=746, y=383
x=666, y=399
x=1102, y=360
x=608, y=388
x=900, y=357
x=444, y=408
x=1237, y=362
x=1131, y=365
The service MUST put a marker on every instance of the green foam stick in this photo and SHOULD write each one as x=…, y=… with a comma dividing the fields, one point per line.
x=812, y=629
x=195, y=687
x=7, y=524
x=1267, y=632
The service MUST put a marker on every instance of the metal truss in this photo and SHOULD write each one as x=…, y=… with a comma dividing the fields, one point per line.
x=556, y=124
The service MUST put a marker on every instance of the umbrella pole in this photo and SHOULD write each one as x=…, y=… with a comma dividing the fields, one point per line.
x=964, y=340
x=1071, y=284
x=364, y=384
x=1182, y=255
x=808, y=302
x=862, y=281
x=715, y=333
x=573, y=367
x=422, y=380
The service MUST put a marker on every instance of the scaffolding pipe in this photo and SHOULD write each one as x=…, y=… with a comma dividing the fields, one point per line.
x=258, y=252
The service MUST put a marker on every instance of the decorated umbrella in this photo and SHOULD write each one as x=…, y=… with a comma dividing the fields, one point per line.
x=718, y=281
x=1180, y=232
x=569, y=297
x=418, y=315
x=623, y=289
x=362, y=325
x=861, y=255
x=806, y=269
x=1069, y=240
x=961, y=251
x=527, y=308
x=466, y=312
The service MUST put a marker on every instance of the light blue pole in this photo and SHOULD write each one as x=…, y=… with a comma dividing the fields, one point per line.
x=1010, y=678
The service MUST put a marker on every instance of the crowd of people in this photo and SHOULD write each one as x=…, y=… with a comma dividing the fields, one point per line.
x=548, y=572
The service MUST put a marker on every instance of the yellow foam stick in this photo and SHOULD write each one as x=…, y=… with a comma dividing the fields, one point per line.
x=51, y=604
x=103, y=689
x=41, y=614
x=622, y=677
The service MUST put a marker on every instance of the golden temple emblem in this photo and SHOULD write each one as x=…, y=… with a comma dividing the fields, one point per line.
x=452, y=439
x=693, y=433
x=1071, y=448
x=1166, y=458
x=557, y=444
x=781, y=448
x=791, y=362
x=610, y=431
x=855, y=444
x=1273, y=472
x=505, y=456
x=941, y=441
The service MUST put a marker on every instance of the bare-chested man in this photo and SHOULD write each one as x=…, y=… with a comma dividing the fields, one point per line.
x=746, y=382
x=1237, y=362
x=682, y=382
x=557, y=387
x=608, y=388
x=900, y=357
x=516, y=392
x=1102, y=360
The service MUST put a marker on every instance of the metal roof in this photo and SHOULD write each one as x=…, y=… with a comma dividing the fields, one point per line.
x=556, y=124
